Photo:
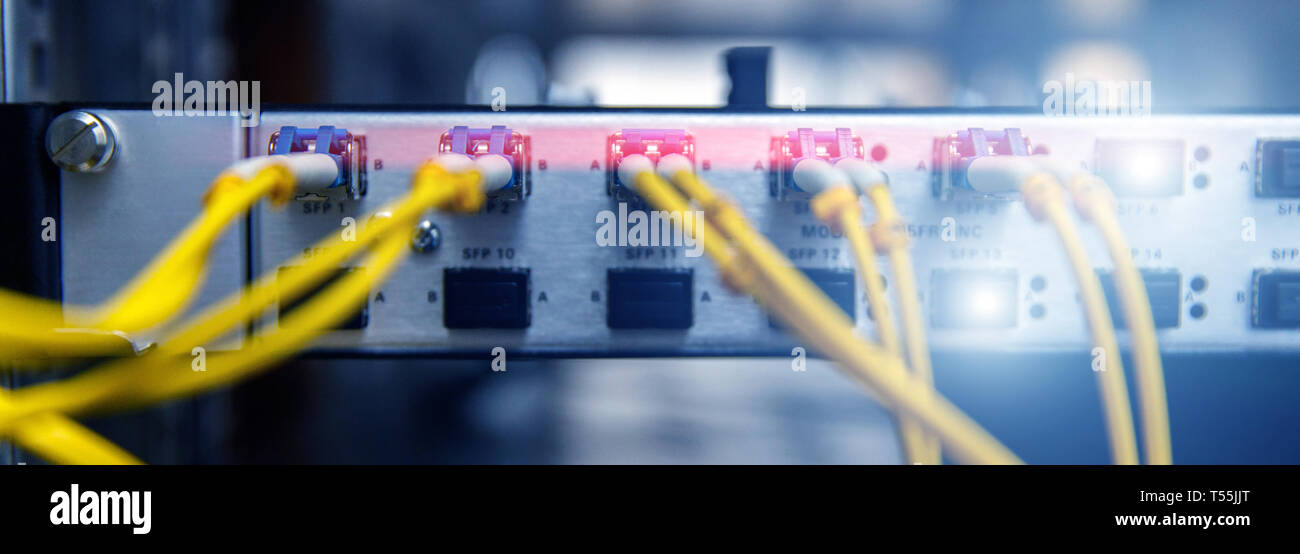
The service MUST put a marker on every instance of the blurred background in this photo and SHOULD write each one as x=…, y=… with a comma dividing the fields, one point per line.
x=1199, y=54
x=837, y=53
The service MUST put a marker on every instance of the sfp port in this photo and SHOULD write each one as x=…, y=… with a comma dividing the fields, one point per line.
x=358, y=320
x=651, y=143
x=955, y=154
x=646, y=298
x=1164, y=294
x=1275, y=302
x=805, y=144
x=483, y=298
x=1277, y=169
x=348, y=151
x=498, y=140
x=839, y=285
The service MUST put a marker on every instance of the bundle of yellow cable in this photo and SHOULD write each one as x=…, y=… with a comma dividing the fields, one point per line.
x=1094, y=202
x=1045, y=201
x=838, y=207
x=39, y=333
x=59, y=439
x=164, y=373
x=751, y=263
x=1036, y=179
x=890, y=236
x=36, y=328
x=835, y=202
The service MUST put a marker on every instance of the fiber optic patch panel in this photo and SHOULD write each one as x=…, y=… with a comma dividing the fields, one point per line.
x=554, y=265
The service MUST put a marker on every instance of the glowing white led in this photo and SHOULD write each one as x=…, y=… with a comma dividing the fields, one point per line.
x=1147, y=166
x=984, y=303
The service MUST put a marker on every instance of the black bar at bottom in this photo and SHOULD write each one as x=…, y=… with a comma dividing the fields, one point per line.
x=325, y=502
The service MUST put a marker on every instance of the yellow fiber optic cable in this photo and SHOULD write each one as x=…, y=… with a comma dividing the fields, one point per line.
x=318, y=314
x=890, y=235
x=38, y=312
x=1094, y=202
x=166, y=285
x=838, y=207
x=34, y=325
x=134, y=382
x=800, y=304
x=1045, y=201
x=36, y=344
x=819, y=326
x=61, y=440
x=733, y=270
x=668, y=199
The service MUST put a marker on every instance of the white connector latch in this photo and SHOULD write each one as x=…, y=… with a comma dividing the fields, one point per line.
x=862, y=174
x=672, y=164
x=631, y=166
x=814, y=175
x=310, y=171
x=496, y=171
x=1005, y=174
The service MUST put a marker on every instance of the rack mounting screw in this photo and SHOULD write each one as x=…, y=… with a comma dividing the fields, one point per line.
x=79, y=141
x=426, y=237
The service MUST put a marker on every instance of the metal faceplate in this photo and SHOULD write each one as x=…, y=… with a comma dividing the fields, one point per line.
x=113, y=222
x=553, y=231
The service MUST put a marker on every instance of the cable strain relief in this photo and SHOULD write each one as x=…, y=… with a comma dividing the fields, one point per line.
x=1039, y=191
x=828, y=205
x=284, y=184
x=469, y=196
x=1091, y=196
x=886, y=235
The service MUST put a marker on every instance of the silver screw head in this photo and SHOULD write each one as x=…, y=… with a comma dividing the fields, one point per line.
x=79, y=141
x=426, y=237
